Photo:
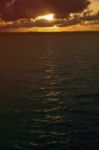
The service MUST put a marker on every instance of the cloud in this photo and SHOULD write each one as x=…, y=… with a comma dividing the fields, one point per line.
x=11, y=10
x=94, y=17
x=29, y=23
x=15, y=14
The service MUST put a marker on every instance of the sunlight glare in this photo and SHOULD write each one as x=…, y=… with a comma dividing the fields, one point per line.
x=48, y=17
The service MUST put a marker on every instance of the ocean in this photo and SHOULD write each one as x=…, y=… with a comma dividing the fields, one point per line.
x=49, y=91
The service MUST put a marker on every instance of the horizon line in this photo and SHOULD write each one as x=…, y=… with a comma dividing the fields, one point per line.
x=35, y=32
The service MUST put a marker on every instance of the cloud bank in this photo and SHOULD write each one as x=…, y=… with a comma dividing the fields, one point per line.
x=17, y=9
x=16, y=14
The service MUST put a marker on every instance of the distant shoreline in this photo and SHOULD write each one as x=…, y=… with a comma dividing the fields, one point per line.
x=49, y=33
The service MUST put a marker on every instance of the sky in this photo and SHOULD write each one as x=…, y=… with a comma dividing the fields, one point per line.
x=49, y=15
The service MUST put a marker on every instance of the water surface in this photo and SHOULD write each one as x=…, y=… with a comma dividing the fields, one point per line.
x=49, y=91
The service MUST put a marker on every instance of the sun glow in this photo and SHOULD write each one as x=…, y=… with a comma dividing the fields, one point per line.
x=48, y=17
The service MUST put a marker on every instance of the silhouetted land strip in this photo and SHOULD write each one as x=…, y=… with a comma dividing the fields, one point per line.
x=48, y=33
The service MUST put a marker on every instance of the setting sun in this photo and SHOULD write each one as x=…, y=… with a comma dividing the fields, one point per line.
x=48, y=17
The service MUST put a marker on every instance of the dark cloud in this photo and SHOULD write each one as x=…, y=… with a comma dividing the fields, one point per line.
x=17, y=9
x=28, y=23
x=93, y=17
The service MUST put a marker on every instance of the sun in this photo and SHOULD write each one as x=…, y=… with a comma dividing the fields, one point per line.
x=48, y=17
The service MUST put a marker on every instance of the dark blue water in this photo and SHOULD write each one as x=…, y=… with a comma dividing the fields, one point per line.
x=49, y=91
